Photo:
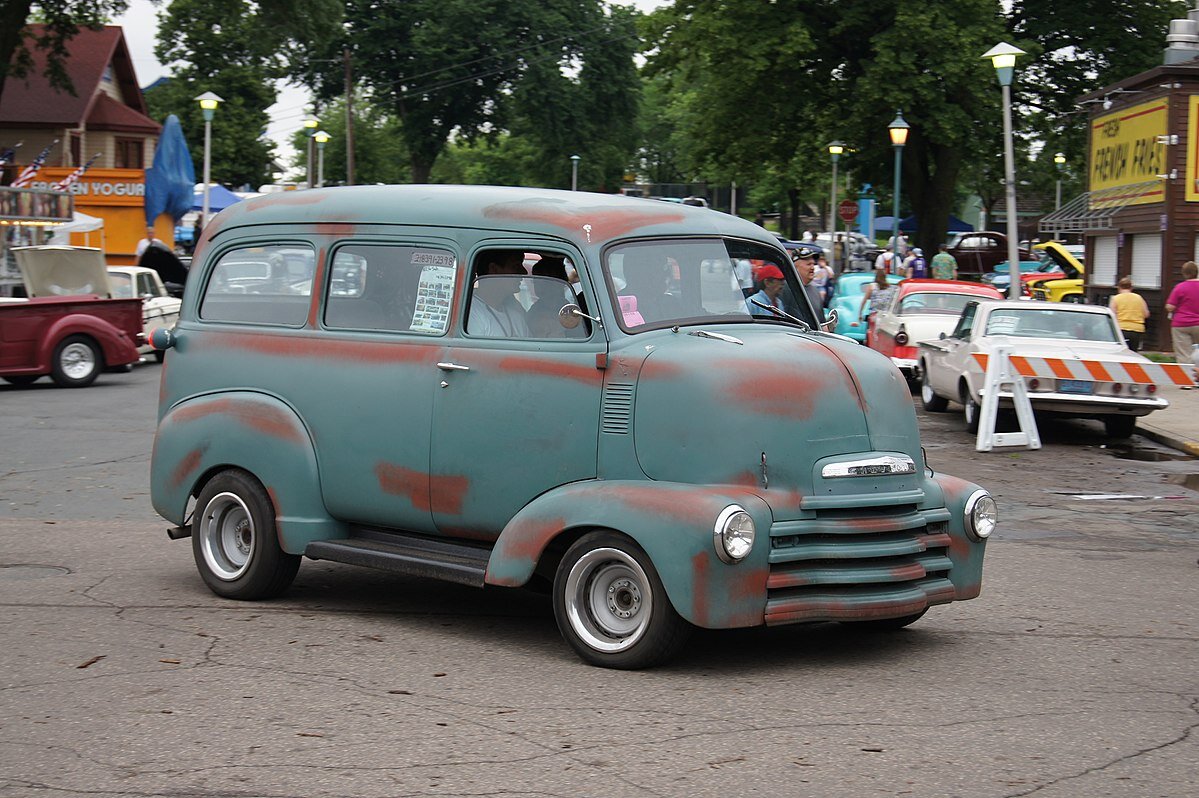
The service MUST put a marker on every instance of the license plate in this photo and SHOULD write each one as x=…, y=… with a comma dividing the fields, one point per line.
x=1075, y=386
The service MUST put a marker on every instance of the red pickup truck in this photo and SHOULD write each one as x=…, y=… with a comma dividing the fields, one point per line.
x=69, y=326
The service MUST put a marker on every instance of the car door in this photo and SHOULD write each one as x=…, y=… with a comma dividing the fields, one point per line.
x=512, y=417
x=956, y=358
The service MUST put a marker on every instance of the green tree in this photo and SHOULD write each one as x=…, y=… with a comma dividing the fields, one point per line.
x=62, y=19
x=379, y=154
x=453, y=68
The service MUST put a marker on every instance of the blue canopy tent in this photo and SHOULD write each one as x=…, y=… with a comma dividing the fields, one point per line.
x=956, y=225
x=219, y=198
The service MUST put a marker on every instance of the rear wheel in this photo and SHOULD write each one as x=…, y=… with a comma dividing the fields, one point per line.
x=611, y=606
x=234, y=541
x=1119, y=426
x=970, y=409
x=76, y=362
x=930, y=401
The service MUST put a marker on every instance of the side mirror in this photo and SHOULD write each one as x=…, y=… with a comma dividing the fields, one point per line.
x=942, y=336
x=831, y=324
x=570, y=316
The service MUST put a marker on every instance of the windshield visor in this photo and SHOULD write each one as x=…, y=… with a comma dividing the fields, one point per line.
x=658, y=284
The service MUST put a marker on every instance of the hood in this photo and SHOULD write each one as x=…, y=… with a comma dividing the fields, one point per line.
x=706, y=410
x=52, y=271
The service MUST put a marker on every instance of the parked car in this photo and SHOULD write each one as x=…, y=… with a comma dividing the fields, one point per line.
x=847, y=301
x=1055, y=261
x=1001, y=278
x=1063, y=285
x=949, y=372
x=68, y=326
x=159, y=309
x=979, y=252
x=660, y=459
x=921, y=310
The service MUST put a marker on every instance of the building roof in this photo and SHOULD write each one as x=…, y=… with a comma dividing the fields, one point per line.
x=30, y=100
x=108, y=114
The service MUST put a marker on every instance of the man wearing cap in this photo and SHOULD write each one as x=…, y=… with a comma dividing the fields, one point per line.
x=916, y=266
x=805, y=264
x=773, y=284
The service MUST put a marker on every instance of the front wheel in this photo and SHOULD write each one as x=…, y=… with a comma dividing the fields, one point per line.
x=76, y=362
x=611, y=606
x=1119, y=426
x=930, y=400
x=234, y=541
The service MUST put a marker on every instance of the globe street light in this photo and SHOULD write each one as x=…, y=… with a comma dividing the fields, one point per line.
x=574, y=173
x=834, y=149
x=1003, y=57
x=208, y=103
x=898, y=129
x=321, y=138
x=1058, y=160
x=310, y=124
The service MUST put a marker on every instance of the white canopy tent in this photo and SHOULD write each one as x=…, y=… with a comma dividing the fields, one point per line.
x=80, y=223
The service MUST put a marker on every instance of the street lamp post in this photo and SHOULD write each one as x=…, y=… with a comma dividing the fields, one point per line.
x=1058, y=160
x=310, y=124
x=898, y=130
x=321, y=138
x=1003, y=57
x=208, y=103
x=834, y=149
x=574, y=173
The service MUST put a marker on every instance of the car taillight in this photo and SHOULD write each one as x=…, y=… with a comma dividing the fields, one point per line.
x=1034, y=384
x=901, y=337
x=1117, y=387
x=1151, y=389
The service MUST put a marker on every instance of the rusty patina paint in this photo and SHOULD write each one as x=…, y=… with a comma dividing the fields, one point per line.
x=187, y=466
x=255, y=415
x=317, y=346
x=604, y=223
x=446, y=493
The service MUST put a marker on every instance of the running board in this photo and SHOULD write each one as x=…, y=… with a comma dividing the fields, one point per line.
x=413, y=555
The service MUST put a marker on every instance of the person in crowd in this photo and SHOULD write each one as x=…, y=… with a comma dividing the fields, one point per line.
x=149, y=241
x=899, y=244
x=773, y=284
x=915, y=266
x=877, y=294
x=804, y=258
x=743, y=276
x=494, y=311
x=822, y=279
x=944, y=265
x=885, y=260
x=1131, y=311
x=1183, y=308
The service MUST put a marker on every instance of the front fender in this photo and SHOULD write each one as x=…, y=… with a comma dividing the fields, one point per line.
x=253, y=431
x=672, y=522
x=965, y=552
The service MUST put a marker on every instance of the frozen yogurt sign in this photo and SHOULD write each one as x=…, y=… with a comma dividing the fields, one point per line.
x=101, y=186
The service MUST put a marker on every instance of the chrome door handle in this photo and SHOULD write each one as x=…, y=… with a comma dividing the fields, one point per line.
x=452, y=367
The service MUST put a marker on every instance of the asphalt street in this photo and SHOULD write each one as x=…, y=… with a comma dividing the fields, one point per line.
x=1073, y=674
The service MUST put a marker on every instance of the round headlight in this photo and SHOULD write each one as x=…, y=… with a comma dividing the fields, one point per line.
x=734, y=534
x=982, y=514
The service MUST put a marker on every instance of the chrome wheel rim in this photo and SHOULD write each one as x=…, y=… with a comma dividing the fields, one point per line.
x=926, y=391
x=77, y=360
x=971, y=409
x=227, y=536
x=609, y=601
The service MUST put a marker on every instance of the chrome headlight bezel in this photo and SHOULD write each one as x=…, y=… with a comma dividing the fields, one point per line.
x=730, y=536
x=981, y=515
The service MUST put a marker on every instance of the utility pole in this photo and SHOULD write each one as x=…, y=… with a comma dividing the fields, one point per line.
x=349, y=120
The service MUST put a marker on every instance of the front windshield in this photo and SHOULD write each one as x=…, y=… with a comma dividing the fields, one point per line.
x=934, y=302
x=694, y=281
x=1051, y=323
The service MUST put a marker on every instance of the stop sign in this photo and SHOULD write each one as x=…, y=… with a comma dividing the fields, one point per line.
x=847, y=210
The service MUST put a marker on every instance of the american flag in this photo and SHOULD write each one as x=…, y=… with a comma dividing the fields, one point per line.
x=9, y=153
x=29, y=172
x=65, y=183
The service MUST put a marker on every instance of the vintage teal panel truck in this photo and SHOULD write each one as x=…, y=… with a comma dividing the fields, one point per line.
x=499, y=386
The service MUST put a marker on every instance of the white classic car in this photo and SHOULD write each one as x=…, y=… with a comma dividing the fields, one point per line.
x=1083, y=336
x=159, y=308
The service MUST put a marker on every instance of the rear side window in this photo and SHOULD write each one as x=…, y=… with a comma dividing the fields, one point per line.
x=261, y=285
x=390, y=288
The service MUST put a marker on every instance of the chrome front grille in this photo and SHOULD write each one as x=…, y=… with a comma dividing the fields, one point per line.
x=858, y=564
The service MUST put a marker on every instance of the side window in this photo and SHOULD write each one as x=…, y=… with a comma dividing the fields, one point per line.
x=518, y=294
x=390, y=288
x=145, y=285
x=966, y=322
x=267, y=284
x=122, y=286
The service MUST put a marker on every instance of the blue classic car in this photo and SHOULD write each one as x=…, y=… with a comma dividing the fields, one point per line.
x=847, y=301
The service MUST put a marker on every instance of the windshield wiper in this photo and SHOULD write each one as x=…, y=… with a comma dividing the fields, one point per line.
x=782, y=314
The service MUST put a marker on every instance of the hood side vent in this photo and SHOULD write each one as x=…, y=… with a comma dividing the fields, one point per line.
x=617, y=409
